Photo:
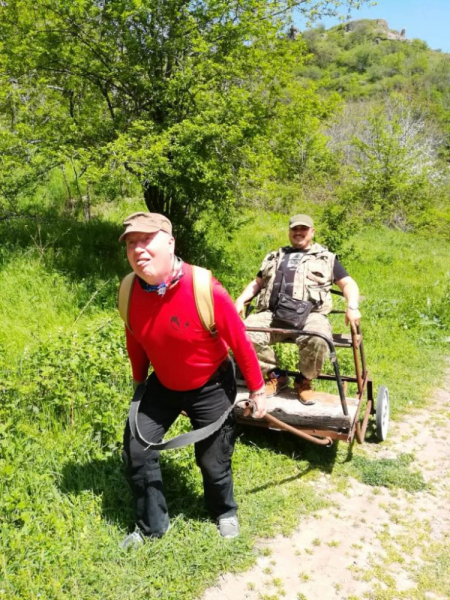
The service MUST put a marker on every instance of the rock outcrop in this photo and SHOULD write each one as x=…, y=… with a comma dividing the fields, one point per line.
x=380, y=26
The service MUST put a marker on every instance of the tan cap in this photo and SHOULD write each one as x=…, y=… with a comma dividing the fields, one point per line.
x=145, y=222
x=300, y=220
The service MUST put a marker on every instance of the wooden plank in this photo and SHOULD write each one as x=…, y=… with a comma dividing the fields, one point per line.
x=326, y=413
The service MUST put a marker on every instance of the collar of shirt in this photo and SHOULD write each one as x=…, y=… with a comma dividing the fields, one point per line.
x=162, y=288
x=291, y=250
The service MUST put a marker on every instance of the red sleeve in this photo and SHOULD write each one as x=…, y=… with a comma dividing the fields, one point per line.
x=138, y=357
x=231, y=329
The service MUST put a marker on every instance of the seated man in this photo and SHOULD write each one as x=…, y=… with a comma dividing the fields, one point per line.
x=309, y=271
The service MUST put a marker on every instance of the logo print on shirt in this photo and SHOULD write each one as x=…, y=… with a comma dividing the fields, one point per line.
x=175, y=323
x=294, y=260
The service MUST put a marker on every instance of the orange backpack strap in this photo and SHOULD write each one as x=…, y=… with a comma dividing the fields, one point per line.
x=124, y=297
x=202, y=282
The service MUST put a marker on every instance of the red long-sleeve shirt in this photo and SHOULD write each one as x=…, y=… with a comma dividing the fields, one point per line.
x=166, y=331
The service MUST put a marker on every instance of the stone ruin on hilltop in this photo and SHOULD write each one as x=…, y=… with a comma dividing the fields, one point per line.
x=382, y=27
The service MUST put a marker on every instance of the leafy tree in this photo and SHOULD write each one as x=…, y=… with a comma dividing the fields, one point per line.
x=394, y=162
x=178, y=93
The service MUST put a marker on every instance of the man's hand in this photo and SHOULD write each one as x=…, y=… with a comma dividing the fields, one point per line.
x=352, y=316
x=350, y=290
x=259, y=400
x=240, y=307
x=252, y=290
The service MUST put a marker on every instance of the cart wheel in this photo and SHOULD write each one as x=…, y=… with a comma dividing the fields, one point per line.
x=382, y=413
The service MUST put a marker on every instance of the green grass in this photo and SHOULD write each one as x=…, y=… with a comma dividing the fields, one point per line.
x=389, y=472
x=65, y=507
x=33, y=301
x=65, y=385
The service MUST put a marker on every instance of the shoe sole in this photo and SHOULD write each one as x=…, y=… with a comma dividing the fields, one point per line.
x=281, y=388
x=309, y=402
x=306, y=402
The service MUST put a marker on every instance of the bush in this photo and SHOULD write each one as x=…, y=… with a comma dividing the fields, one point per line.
x=391, y=183
x=80, y=378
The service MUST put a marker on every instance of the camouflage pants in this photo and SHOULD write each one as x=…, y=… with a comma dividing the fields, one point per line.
x=312, y=350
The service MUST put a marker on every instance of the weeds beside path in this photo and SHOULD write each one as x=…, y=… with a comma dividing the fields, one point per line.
x=375, y=542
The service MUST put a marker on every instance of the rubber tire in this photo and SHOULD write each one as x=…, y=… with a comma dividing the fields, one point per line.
x=382, y=413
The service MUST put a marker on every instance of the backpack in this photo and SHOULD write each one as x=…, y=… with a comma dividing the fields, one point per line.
x=202, y=282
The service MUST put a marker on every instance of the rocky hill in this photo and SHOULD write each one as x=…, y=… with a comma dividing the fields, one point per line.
x=367, y=59
x=380, y=26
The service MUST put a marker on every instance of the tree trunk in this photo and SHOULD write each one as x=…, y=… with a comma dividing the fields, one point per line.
x=154, y=198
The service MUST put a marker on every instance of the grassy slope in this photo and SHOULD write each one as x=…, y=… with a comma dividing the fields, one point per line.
x=63, y=500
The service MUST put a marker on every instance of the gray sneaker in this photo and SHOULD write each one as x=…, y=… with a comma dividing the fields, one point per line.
x=132, y=540
x=229, y=527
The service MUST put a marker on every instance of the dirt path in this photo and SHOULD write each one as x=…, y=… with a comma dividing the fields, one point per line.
x=377, y=543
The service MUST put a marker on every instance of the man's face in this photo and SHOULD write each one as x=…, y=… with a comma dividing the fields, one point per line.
x=151, y=255
x=301, y=236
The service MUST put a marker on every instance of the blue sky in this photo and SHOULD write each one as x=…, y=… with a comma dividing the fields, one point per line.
x=428, y=20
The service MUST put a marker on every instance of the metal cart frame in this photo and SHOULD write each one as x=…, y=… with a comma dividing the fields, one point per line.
x=361, y=378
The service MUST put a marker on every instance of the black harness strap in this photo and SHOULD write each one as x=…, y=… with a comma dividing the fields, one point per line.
x=181, y=440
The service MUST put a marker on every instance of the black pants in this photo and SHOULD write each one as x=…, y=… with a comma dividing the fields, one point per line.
x=158, y=410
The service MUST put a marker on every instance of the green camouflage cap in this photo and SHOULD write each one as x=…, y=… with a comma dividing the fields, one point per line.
x=145, y=222
x=300, y=220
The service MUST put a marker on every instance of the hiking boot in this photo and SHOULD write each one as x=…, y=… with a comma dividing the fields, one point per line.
x=276, y=382
x=132, y=541
x=228, y=527
x=304, y=391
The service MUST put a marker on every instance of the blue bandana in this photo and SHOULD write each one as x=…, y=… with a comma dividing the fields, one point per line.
x=162, y=288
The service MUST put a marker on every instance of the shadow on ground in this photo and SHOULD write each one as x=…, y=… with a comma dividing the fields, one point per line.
x=320, y=458
x=106, y=478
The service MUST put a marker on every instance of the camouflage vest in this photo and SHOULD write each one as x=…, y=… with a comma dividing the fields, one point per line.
x=313, y=278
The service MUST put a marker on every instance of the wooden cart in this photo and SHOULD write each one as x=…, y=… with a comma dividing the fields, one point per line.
x=333, y=416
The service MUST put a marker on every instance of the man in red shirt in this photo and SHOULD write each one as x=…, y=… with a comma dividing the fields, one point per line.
x=192, y=372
